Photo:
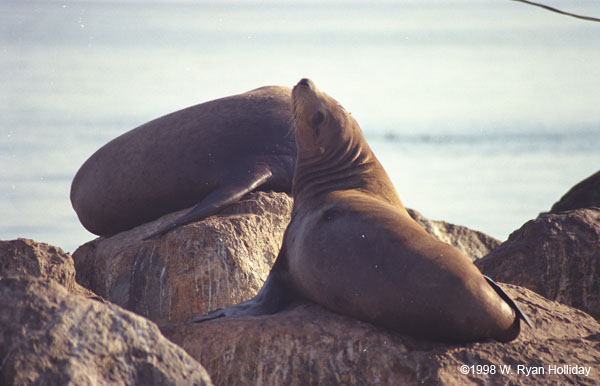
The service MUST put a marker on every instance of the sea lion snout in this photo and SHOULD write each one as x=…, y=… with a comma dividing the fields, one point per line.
x=304, y=88
x=305, y=82
x=304, y=98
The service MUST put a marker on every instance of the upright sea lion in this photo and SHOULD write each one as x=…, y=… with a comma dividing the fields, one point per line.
x=210, y=154
x=352, y=247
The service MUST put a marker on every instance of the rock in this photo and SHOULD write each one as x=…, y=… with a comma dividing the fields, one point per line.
x=473, y=244
x=220, y=261
x=555, y=255
x=307, y=344
x=51, y=337
x=28, y=257
x=585, y=194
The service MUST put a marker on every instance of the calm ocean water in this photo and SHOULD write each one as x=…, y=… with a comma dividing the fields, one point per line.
x=483, y=112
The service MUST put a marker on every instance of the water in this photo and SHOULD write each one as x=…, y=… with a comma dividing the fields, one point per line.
x=483, y=112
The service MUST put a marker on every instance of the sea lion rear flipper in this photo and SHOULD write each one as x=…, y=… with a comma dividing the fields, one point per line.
x=520, y=314
x=238, y=185
x=272, y=298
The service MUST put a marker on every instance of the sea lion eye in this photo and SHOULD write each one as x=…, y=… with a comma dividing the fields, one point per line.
x=318, y=118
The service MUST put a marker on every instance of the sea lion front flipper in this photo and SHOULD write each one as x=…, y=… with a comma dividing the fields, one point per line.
x=520, y=314
x=238, y=185
x=272, y=298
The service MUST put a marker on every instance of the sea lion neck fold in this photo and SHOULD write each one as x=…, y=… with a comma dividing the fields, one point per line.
x=332, y=152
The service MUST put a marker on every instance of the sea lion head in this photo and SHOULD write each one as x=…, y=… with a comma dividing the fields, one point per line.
x=320, y=122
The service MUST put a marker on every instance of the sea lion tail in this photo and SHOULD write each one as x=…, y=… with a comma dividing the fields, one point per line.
x=514, y=330
x=273, y=297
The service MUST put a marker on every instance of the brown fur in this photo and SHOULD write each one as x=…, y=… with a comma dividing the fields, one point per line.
x=210, y=154
x=352, y=247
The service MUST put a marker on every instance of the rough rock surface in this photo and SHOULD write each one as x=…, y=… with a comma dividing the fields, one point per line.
x=217, y=262
x=585, y=194
x=28, y=257
x=307, y=344
x=555, y=255
x=193, y=269
x=473, y=244
x=51, y=337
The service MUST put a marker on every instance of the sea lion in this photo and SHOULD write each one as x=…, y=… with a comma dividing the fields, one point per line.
x=210, y=154
x=352, y=247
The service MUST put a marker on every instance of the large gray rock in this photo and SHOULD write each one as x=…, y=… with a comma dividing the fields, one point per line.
x=555, y=255
x=211, y=264
x=307, y=344
x=28, y=257
x=585, y=194
x=193, y=269
x=51, y=337
x=471, y=243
